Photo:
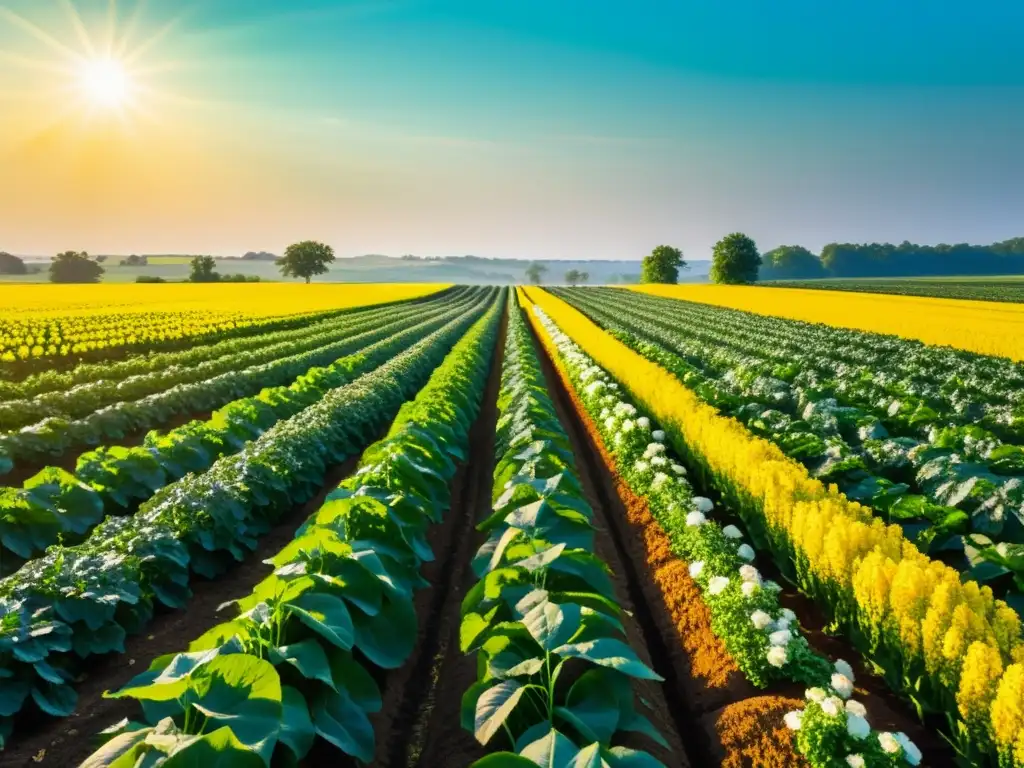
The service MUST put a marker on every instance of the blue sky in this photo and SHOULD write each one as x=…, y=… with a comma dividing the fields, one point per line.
x=531, y=129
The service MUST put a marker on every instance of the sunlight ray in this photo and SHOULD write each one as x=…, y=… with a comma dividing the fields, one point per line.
x=37, y=65
x=80, y=31
x=38, y=33
x=130, y=57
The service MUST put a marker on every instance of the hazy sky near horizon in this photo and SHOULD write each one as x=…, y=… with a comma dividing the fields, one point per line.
x=510, y=128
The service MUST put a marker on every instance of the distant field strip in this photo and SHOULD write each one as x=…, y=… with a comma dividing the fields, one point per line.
x=984, y=327
x=1004, y=289
x=29, y=302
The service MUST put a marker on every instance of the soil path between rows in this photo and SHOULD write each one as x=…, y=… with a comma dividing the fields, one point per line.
x=65, y=742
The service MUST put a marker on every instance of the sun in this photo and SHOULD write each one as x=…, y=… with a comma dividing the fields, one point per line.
x=105, y=82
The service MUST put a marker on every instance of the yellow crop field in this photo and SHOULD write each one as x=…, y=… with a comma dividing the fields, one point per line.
x=989, y=328
x=47, y=321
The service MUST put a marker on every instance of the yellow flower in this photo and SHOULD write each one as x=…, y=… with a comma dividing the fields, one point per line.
x=979, y=681
x=1007, y=713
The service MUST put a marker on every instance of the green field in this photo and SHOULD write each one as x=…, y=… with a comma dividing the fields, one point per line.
x=1006, y=288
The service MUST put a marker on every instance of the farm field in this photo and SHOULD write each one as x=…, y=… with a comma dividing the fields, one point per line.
x=455, y=526
x=1009, y=288
x=984, y=327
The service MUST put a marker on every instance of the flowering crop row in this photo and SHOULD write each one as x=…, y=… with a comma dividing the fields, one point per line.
x=952, y=486
x=544, y=601
x=976, y=326
x=298, y=664
x=55, y=505
x=83, y=600
x=55, y=324
x=762, y=637
x=949, y=646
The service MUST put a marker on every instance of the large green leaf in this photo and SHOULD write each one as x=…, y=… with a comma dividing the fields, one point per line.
x=307, y=657
x=552, y=625
x=219, y=749
x=612, y=653
x=494, y=706
x=553, y=750
x=344, y=724
x=297, y=732
x=326, y=615
x=388, y=638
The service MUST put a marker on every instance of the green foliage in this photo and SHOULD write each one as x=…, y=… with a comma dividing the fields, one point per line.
x=535, y=273
x=662, y=265
x=74, y=267
x=203, y=269
x=789, y=262
x=575, y=277
x=735, y=260
x=149, y=279
x=11, y=265
x=306, y=259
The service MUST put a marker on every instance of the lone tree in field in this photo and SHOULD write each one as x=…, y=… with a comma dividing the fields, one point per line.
x=572, y=277
x=535, y=273
x=735, y=260
x=74, y=267
x=204, y=270
x=306, y=259
x=662, y=266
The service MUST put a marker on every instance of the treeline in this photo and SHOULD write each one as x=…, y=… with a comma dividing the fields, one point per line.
x=794, y=262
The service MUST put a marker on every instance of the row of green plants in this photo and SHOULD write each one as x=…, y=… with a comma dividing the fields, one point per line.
x=74, y=602
x=84, y=399
x=54, y=437
x=301, y=660
x=555, y=672
x=952, y=487
x=264, y=335
x=55, y=505
x=764, y=639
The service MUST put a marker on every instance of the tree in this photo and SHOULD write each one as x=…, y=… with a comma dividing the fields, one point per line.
x=535, y=273
x=74, y=267
x=135, y=261
x=572, y=277
x=306, y=259
x=662, y=266
x=100, y=259
x=735, y=260
x=584, y=276
x=204, y=270
x=11, y=265
x=788, y=262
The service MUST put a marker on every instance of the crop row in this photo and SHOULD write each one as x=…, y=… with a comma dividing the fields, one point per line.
x=763, y=638
x=975, y=289
x=948, y=646
x=83, y=600
x=55, y=505
x=85, y=398
x=299, y=661
x=280, y=330
x=954, y=488
x=544, y=609
x=55, y=436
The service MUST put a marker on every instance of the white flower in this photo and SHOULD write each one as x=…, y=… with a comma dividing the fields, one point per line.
x=679, y=469
x=793, y=719
x=658, y=461
x=749, y=588
x=732, y=532
x=760, y=619
x=717, y=584
x=910, y=751
x=857, y=726
x=781, y=623
x=627, y=425
x=830, y=708
x=749, y=573
x=855, y=761
x=624, y=409
x=888, y=742
x=653, y=449
x=660, y=478
x=788, y=615
x=605, y=413
x=842, y=685
x=640, y=467
x=746, y=552
x=609, y=423
x=659, y=435
x=594, y=388
x=815, y=694
x=856, y=708
x=842, y=667
x=643, y=422
x=702, y=504
x=777, y=656
x=696, y=568
x=780, y=637
x=696, y=518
